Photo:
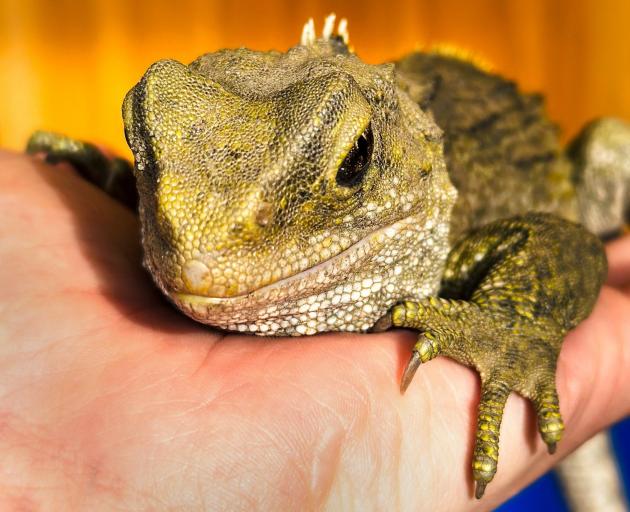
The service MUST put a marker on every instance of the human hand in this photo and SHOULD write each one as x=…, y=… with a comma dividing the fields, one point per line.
x=110, y=398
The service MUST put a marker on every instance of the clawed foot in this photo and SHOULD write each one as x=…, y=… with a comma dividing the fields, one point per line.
x=511, y=292
x=465, y=332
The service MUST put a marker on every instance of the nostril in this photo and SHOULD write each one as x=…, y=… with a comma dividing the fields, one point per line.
x=264, y=214
x=236, y=229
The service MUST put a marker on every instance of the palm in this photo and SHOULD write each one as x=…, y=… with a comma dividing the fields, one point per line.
x=109, y=396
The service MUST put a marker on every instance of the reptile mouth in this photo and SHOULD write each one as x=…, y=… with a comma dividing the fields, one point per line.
x=348, y=291
x=349, y=256
x=329, y=284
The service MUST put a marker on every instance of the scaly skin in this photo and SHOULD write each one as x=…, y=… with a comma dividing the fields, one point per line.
x=300, y=192
x=511, y=290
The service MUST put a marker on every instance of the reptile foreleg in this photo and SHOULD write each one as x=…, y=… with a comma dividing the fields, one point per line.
x=511, y=291
x=114, y=176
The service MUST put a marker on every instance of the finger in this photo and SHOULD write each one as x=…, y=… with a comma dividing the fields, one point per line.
x=618, y=253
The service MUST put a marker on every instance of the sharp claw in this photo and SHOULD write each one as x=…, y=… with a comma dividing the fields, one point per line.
x=551, y=448
x=480, y=488
x=410, y=371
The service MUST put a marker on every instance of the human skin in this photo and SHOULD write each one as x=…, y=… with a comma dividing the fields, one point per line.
x=112, y=400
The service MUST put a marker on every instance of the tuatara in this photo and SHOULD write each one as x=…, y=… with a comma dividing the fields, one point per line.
x=307, y=191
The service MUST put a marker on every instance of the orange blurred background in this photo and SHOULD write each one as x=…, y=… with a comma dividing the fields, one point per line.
x=66, y=65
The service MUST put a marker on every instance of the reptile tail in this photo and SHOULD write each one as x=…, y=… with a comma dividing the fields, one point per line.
x=601, y=161
x=590, y=478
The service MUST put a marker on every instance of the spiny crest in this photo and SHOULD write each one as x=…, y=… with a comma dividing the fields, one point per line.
x=328, y=32
x=459, y=53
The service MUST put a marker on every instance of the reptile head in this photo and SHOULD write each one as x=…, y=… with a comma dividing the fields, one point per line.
x=265, y=178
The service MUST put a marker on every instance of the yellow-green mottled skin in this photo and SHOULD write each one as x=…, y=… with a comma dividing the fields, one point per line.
x=256, y=216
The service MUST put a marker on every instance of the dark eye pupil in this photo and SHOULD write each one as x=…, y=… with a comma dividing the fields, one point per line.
x=357, y=160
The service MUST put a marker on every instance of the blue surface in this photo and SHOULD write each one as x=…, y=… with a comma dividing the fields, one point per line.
x=621, y=442
x=545, y=494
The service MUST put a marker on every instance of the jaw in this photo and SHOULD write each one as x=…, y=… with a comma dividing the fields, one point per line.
x=348, y=292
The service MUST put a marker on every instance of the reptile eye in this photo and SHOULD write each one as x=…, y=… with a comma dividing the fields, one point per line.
x=357, y=160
